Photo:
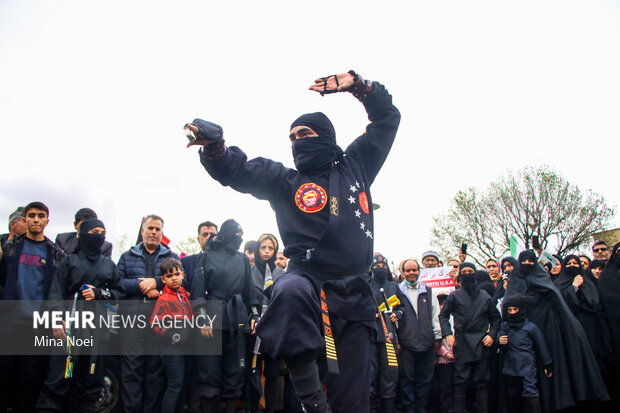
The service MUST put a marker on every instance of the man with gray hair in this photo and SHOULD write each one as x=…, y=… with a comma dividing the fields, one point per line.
x=430, y=259
x=17, y=225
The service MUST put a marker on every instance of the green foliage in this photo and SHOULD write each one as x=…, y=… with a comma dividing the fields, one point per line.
x=532, y=201
x=189, y=246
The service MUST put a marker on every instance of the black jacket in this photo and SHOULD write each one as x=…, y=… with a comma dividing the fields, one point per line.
x=68, y=242
x=473, y=319
x=525, y=346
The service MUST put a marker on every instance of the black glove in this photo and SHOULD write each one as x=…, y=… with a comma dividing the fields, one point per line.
x=254, y=315
x=208, y=130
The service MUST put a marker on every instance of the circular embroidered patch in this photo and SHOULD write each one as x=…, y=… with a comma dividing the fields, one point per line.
x=364, y=202
x=310, y=198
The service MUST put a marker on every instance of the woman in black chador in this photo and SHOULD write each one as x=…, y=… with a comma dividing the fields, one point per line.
x=576, y=377
x=609, y=293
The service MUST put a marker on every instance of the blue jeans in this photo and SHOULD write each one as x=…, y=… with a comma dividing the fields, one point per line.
x=174, y=365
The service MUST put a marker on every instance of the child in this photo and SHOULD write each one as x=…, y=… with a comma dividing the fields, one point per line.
x=522, y=345
x=172, y=303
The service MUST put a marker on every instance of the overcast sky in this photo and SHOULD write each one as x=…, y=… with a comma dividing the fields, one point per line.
x=93, y=96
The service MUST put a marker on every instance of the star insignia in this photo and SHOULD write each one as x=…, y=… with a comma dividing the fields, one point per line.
x=353, y=188
x=368, y=233
x=357, y=184
x=358, y=213
x=362, y=225
x=351, y=199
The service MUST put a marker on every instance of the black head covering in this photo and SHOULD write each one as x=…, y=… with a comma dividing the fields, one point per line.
x=528, y=255
x=609, y=293
x=469, y=282
x=597, y=264
x=315, y=154
x=510, y=260
x=484, y=282
x=522, y=279
x=381, y=275
x=90, y=244
x=258, y=262
x=515, y=321
x=227, y=237
x=568, y=274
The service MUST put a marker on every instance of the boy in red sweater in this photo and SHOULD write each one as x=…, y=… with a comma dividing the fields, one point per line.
x=173, y=303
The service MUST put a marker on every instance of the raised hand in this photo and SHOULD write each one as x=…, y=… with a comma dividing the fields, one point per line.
x=333, y=83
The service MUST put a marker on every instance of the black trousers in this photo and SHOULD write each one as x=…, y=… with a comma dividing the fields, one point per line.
x=222, y=376
x=79, y=393
x=382, y=384
x=22, y=377
x=416, y=374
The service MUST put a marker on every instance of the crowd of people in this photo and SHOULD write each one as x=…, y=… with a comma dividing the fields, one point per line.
x=322, y=325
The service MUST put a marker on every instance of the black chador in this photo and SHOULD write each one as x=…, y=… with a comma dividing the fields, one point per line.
x=576, y=376
x=609, y=293
x=475, y=317
x=223, y=273
x=86, y=266
x=324, y=213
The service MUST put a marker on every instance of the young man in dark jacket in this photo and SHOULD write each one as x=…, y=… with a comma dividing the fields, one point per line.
x=476, y=322
x=142, y=375
x=26, y=272
x=324, y=214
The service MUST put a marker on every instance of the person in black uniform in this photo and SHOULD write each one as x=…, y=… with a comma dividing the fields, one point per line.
x=382, y=383
x=86, y=266
x=324, y=215
x=223, y=273
x=476, y=323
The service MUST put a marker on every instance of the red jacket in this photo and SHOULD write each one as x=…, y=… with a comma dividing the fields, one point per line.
x=170, y=304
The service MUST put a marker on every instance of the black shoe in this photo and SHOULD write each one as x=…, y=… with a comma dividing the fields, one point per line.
x=315, y=402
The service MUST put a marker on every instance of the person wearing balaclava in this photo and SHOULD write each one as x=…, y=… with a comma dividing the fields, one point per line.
x=522, y=345
x=476, y=322
x=609, y=295
x=382, y=383
x=86, y=266
x=419, y=330
x=564, y=335
x=324, y=212
x=223, y=274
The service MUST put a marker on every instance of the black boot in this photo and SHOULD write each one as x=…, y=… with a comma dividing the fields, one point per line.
x=208, y=405
x=460, y=398
x=387, y=405
x=308, y=388
x=482, y=399
x=532, y=405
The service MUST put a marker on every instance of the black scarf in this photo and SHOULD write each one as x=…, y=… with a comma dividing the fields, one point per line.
x=315, y=154
x=227, y=237
x=262, y=265
x=469, y=283
x=568, y=274
x=515, y=321
x=90, y=244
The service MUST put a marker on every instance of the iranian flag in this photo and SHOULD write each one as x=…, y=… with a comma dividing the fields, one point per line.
x=515, y=246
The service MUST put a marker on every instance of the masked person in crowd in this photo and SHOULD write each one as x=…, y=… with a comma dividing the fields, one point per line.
x=86, y=266
x=264, y=273
x=476, y=322
x=325, y=218
x=223, y=273
x=609, y=294
x=576, y=377
x=522, y=346
x=507, y=264
x=68, y=240
x=382, y=383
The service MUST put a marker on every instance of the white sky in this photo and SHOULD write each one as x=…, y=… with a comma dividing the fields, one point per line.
x=93, y=95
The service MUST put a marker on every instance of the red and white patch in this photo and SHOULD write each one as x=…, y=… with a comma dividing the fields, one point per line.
x=310, y=198
x=364, y=202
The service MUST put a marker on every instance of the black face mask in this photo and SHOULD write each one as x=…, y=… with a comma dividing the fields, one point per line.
x=90, y=245
x=527, y=268
x=468, y=283
x=516, y=321
x=380, y=274
x=315, y=154
x=573, y=271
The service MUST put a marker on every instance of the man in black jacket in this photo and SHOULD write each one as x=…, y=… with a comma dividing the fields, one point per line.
x=324, y=214
x=476, y=323
x=68, y=240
